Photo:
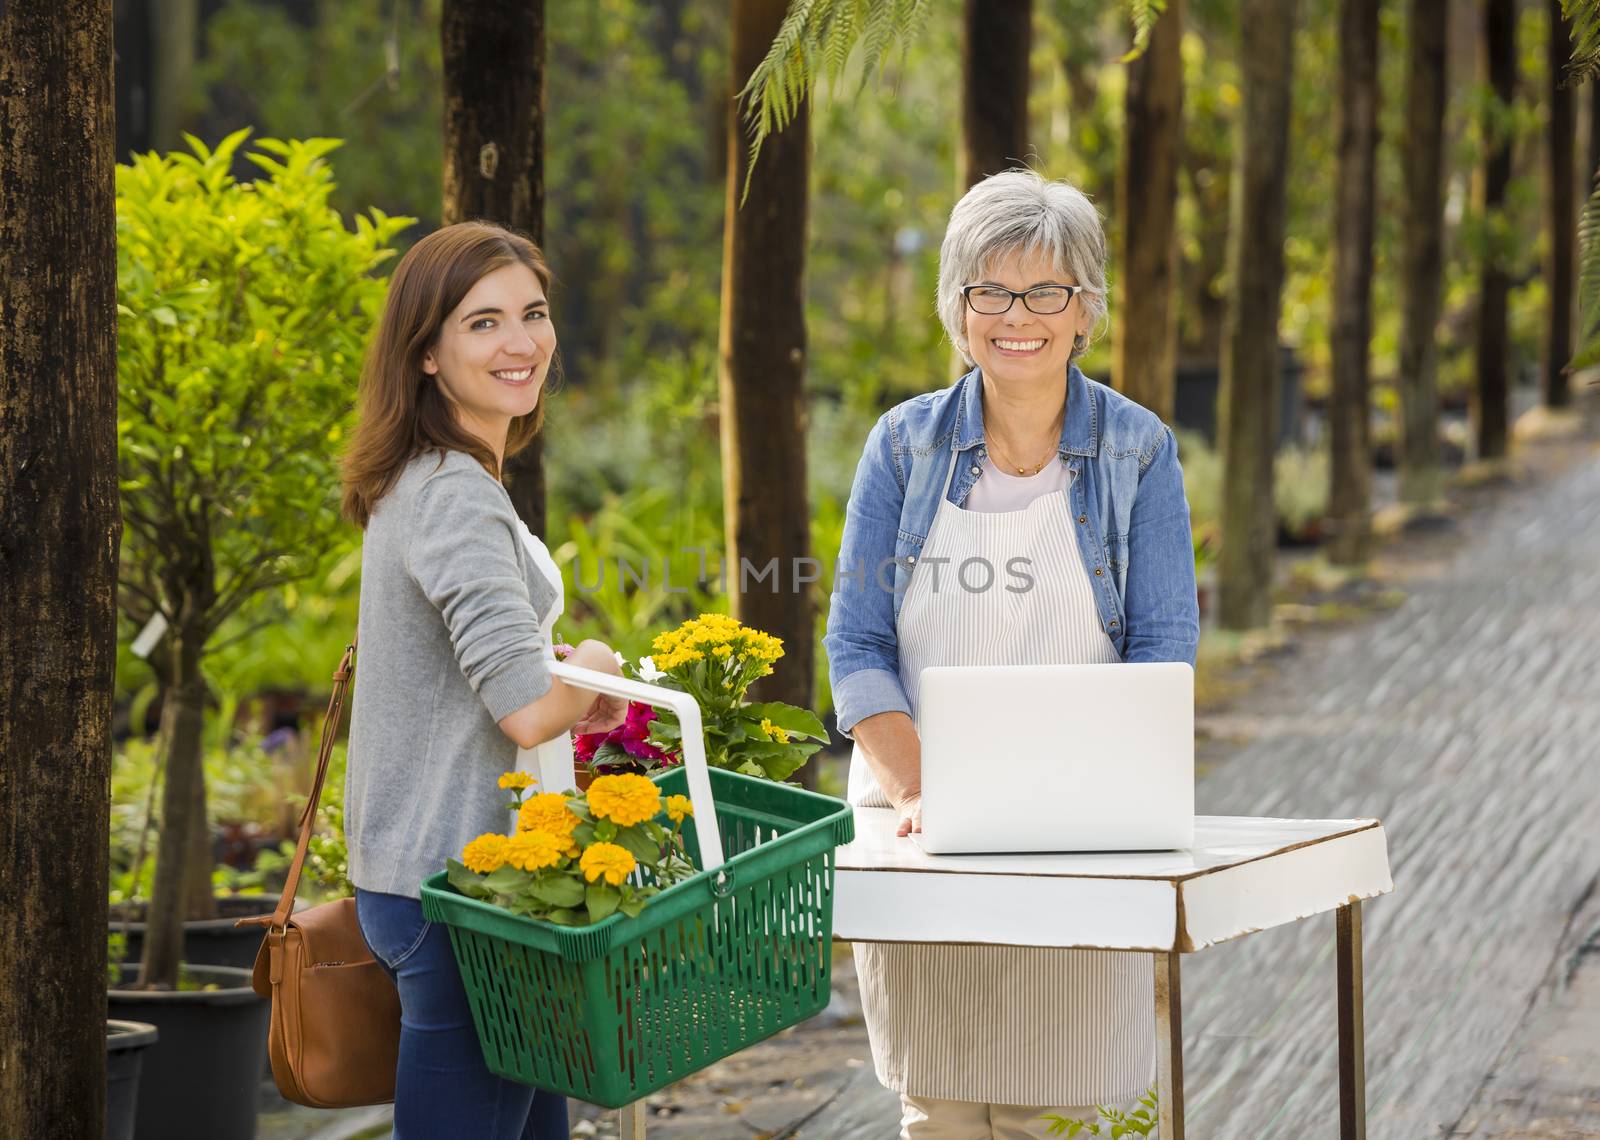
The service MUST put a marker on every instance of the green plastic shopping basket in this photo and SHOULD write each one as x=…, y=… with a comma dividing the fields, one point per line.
x=612, y=1012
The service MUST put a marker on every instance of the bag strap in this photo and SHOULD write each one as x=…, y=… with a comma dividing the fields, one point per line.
x=279, y=918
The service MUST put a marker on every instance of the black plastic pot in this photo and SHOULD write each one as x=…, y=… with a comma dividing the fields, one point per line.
x=212, y=941
x=204, y=1081
x=126, y=1042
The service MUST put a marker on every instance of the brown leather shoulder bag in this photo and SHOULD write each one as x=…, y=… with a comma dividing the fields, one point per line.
x=335, y=1034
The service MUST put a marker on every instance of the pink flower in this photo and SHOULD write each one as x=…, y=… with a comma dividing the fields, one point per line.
x=635, y=733
x=632, y=736
x=586, y=744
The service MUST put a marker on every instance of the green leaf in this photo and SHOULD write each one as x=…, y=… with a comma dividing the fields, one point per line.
x=601, y=899
x=560, y=890
x=662, y=729
x=605, y=831
x=563, y=916
x=635, y=843
x=631, y=907
x=465, y=881
x=505, y=881
x=793, y=720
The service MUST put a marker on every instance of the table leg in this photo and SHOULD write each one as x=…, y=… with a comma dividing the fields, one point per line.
x=630, y=1121
x=1169, y=1045
x=1352, y=1029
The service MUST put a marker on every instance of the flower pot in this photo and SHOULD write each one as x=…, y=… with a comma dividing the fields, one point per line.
x=126, y=1042
x=204, y=1081
x=210, y=941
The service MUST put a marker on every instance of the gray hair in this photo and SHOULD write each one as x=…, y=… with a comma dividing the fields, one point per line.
x=1020, y=210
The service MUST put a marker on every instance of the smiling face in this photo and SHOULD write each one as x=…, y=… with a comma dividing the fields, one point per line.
x=1020, y=346
x=493, y=352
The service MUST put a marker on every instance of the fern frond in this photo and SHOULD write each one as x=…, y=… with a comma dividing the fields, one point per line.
x=916, y=18
x=1588, y=354
x=1144, y=14
x=1584, y=16
x=877, y=35
x=815, y=42
x=837, y=36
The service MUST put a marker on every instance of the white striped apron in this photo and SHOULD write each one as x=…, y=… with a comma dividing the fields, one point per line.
x=1003, y=1024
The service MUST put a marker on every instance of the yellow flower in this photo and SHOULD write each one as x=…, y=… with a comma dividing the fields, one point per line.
x=547, y=811
x=720, y=636
x=773, y=732
x=679, y=808
x=517, y=781
x=485, y=853
x=534, y=850
x=609, y=860
x=624, y=800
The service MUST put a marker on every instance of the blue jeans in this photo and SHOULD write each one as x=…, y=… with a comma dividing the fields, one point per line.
x=443, y=1087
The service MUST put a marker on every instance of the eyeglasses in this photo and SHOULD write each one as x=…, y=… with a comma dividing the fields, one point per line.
x=1045, y=300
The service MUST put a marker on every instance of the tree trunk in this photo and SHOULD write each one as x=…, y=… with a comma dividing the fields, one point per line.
x=1250, y=367
x=1144, y=328
x=174, y=37
x=1350, y=479
x=494, y=96
x=1422, y=257
x=1561, y=216
x=59, y=536
x=182, y=813
x=994, y=84
x=762, y=373
x=1491, y=398
x=1592, y=166
x=199, y=896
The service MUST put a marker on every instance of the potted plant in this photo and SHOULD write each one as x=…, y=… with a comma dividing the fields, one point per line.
x=246, y=792
x=243, y=308
x=715, y=658
x=126, y=1042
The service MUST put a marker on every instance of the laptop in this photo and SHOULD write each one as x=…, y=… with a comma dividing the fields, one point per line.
x=1034, y=758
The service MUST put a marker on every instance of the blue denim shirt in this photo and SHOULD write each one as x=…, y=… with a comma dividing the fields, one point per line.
x=1126, y=496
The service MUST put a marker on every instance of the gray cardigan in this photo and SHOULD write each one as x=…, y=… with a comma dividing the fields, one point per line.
x=450, y=643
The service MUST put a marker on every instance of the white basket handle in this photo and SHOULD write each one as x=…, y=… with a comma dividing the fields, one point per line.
x=693, y=744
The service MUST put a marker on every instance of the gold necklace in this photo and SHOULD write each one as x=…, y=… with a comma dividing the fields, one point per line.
x=1021, y=470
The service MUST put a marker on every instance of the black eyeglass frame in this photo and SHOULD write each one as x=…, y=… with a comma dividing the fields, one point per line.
x=1071, y=291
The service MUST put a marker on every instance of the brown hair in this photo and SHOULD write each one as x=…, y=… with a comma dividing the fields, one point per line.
x=403, y=411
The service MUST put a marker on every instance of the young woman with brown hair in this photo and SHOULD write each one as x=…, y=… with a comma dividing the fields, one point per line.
x=458, y=601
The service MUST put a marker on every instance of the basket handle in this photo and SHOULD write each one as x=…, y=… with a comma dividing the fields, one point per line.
x=694, y=746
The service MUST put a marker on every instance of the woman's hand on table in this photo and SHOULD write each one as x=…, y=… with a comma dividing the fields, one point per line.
x=893, y=752
x=910, y=812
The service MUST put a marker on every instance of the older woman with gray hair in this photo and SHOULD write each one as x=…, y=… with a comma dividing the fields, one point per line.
x=1023, y=458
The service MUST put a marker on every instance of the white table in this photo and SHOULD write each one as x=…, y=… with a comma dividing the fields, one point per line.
x=1243, y=875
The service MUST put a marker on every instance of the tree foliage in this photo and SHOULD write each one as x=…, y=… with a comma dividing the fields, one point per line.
x=244, y=308
x=1585, y=66
x=1585, y=18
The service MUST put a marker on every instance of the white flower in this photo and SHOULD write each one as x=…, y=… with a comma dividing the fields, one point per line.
x=648, y=671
